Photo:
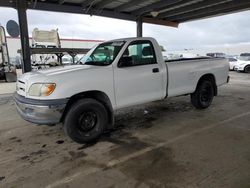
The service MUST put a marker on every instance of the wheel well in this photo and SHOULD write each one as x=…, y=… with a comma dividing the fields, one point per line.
x=247, y=66
x=209, y=77
x=97, y=95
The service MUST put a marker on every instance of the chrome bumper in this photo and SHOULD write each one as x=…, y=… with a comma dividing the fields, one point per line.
x=44, y=112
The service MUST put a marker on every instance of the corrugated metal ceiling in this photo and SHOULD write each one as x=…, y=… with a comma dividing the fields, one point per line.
x=158, y=11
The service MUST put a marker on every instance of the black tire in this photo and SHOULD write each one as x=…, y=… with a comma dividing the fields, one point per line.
x=203, y=95
x=85, y=121
x=247, y=69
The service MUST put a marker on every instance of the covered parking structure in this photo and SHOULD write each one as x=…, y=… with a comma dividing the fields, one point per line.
x=166, y=144
x=161, y=12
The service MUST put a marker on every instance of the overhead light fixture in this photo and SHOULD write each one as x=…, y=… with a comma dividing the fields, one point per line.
x=154, y=13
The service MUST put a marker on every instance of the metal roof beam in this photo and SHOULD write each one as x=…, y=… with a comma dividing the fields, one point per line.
x=80, y=10
x=87, y=3
x=192, y=7
x=155, y=6
x=127, y=5
x=180, y=4
x=7, y=3
x=139, y=27
x=24, y=33
x=160, y=22
x=61, y=2
x=211, y=10
x=102, y=4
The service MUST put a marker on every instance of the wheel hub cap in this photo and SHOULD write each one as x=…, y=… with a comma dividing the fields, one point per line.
x=87, y=121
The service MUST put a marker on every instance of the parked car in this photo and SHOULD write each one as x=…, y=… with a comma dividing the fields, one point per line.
x=243, y=63
x=216, y=55
x=232, y=63
x=67, y=60
x=16, y=61
x=113, y=75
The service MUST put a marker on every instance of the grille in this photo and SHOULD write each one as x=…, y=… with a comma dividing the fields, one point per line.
x=21, y=81
x=21, y=85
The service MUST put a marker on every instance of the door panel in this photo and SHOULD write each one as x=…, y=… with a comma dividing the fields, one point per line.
x=140, y=80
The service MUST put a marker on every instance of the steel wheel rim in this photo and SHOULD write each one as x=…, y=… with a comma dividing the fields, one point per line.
x=87, y=121
x=206, y=93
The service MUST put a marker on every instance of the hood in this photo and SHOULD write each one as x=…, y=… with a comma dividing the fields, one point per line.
x=63, y=69
x=43, y=75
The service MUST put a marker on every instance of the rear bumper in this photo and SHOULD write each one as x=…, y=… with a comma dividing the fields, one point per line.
x=44, y=112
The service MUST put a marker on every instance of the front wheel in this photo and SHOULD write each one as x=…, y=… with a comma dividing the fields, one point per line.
x=203, y=95
x=85, y=121
x=247, y=69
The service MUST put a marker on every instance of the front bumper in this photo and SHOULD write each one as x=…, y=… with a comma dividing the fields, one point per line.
x=239, y=68
x=46, y=112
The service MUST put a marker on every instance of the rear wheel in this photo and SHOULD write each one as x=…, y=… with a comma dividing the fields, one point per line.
x=203, y=95
x=85, y=121
x=247, y=69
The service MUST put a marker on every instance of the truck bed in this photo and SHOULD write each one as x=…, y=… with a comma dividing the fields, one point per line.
x=184, y=74
x=187, y=59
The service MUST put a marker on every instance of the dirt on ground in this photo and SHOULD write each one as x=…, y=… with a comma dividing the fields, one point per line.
x=161, y=144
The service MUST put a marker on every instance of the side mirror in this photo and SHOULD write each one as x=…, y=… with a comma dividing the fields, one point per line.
x=125, y=61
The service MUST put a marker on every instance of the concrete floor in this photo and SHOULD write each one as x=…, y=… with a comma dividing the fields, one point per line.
x=7, y=88
x=162, y=144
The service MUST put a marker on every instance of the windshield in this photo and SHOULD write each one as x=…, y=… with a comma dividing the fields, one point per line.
x=232, y=59
x=244, y=58
x=103, y=54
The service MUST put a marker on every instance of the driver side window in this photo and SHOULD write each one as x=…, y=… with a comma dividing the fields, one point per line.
x=138, y=53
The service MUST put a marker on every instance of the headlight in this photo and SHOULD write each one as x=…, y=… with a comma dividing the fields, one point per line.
x=41, y=89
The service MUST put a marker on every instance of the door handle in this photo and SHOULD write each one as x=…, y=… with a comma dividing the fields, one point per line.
x=155, y=70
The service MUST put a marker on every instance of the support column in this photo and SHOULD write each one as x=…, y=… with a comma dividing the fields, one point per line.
x=24, y=35
x=139, y=27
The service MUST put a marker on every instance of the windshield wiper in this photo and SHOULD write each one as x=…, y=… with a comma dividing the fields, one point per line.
x=97, y=63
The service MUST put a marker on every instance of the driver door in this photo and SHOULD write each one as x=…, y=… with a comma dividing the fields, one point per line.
x=138, y=78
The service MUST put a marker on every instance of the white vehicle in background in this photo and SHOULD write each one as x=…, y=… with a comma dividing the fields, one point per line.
x=67, y=60
x=189, y=55
x=243, y=63
x=170, y=56
x=174, y=56
x=78, y=57
x=7, y=70
x=216, y=55
x=232, y=63
x=114, y=75
x=44, y=39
